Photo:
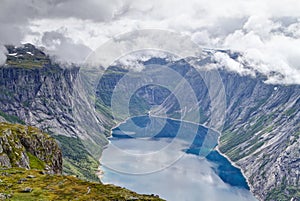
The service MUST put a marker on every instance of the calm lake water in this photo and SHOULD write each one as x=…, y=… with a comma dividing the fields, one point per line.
x=172, y=159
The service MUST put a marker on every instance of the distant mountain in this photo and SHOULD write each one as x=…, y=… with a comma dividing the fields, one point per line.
x=262, y=121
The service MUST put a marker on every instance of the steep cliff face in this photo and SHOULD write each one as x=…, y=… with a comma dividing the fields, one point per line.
x=41, y=97
x=261, y=128
x=46, y=94
x=35, y=91
x=261, y=135
x=43, y=94
x=28, y=147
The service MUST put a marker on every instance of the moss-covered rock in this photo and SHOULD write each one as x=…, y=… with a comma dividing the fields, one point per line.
x=28, y=147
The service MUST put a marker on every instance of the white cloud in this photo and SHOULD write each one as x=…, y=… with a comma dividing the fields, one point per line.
x=3, y=53
x=64, y=49
x=268, y=51
x=293, y=30
x=267, y=31
x=232, y=65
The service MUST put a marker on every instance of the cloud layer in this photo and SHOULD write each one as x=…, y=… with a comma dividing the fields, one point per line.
x=267, y=32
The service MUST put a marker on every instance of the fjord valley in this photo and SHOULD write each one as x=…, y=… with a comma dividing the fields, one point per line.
x=260, y=134
x=261, y=128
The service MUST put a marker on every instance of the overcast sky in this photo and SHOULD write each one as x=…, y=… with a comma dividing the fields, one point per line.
x=266, y=31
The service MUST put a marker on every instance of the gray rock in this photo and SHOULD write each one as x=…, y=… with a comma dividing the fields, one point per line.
x=2, y=196
x=27, y=190
x=4, y=160
x=19, y=140
x=2, y=119
x=21, y=180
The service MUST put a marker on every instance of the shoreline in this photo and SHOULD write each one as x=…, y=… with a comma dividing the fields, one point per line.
x=100, y=172
x=235, y=165
x=191, y=122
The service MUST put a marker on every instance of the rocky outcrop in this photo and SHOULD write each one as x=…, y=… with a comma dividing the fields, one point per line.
x=28, y=147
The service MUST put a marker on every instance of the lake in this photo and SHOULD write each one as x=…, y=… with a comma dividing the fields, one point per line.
x=173, y=159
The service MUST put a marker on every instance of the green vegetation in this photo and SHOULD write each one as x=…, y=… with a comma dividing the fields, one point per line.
x=106, y=111
x=284, y=193
x=25, y=64
x=230, y=139
x=138, y=106
x=11, y=118
x=27, y=61
x=76, y=159
x=19, y=140
x=35, y=162
x=45, y=187
x=12, y=146
x=290, y=111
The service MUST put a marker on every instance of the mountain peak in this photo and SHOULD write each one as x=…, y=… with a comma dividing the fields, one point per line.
x=27, y=56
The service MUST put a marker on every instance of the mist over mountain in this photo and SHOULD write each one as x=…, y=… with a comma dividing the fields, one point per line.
x=260, y=133
x=266, y=32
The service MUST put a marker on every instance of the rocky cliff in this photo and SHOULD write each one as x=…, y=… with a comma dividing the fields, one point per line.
x=47, y=95
x=41, y=93
x=261, y=135
x=36, y=92
x=28, y=147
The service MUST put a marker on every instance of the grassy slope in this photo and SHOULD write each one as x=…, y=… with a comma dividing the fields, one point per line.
x=76, y=160
x=58, y=187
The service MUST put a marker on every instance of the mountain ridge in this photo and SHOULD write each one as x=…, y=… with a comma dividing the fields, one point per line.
x=260, y=117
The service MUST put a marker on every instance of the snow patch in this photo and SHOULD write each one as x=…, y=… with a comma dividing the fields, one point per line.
x=12, y=54
x=30, y=53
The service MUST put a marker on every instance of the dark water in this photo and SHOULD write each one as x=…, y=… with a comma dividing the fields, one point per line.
x=173, y=159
